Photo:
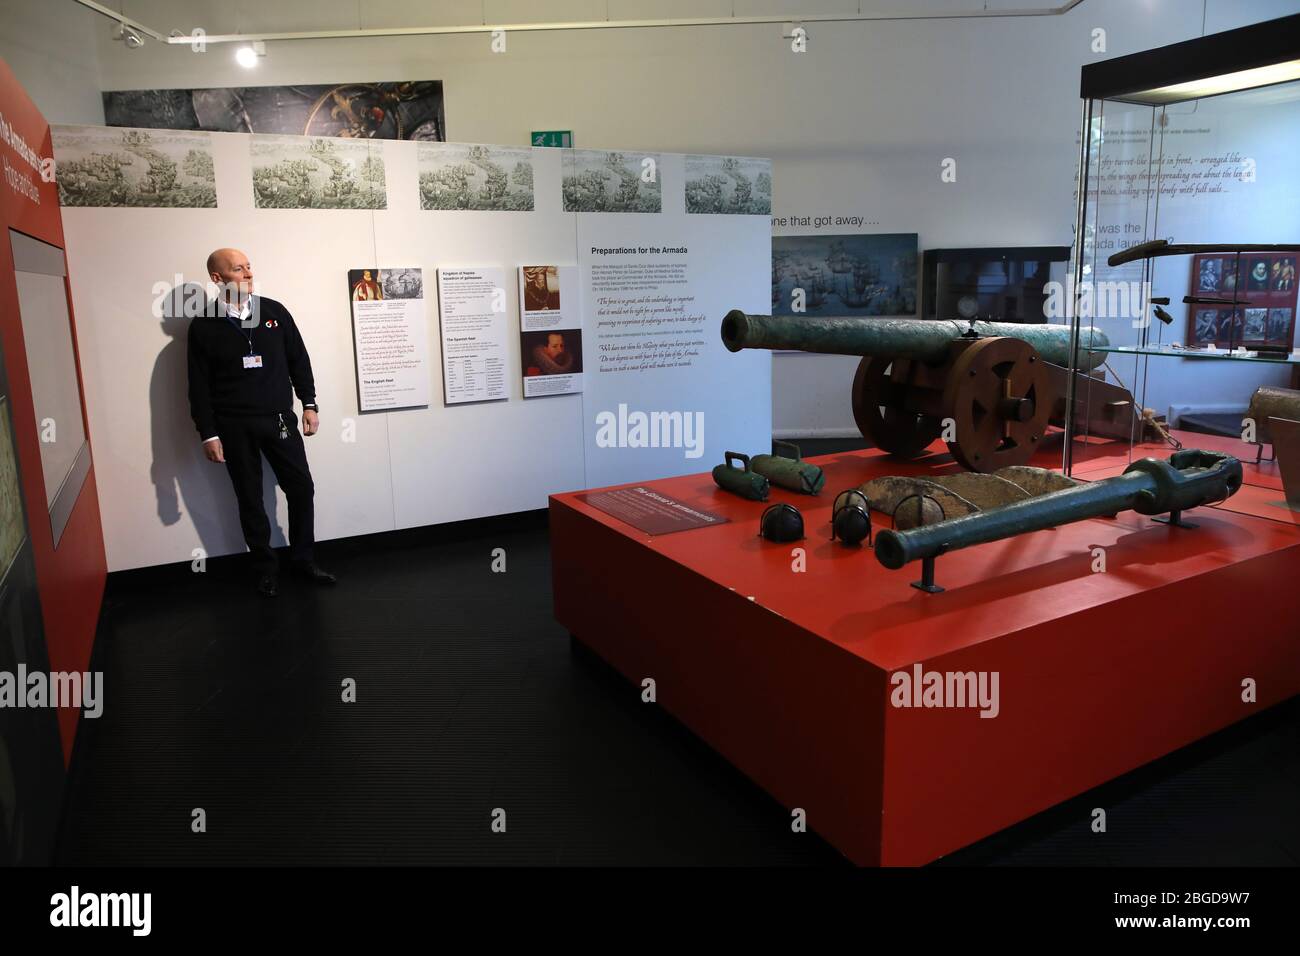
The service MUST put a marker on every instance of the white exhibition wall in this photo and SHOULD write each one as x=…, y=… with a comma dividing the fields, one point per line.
x=380, y=471
x=858, y=125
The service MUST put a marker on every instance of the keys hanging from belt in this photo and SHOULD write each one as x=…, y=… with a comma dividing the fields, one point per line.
x=284, y=429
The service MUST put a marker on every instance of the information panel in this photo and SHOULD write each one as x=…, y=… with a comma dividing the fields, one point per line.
x=472, y=314
x=550, y=330
x=388, y=332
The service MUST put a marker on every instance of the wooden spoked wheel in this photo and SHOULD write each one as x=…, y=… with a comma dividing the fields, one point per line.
x=881, y=389
x=999, y=399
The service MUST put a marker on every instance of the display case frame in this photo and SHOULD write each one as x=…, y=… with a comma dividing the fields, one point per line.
x=1127, y=105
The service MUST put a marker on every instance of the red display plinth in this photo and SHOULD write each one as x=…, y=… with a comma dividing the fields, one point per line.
x=784, y=657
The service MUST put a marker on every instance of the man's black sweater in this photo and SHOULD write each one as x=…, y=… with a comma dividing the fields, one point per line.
x=220, y=385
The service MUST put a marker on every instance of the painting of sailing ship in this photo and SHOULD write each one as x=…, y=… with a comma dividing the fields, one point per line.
x=605, y=181
x=133, y=167
x=475, y=177
x=312, y=172
x=873, y=274
x=730, y=185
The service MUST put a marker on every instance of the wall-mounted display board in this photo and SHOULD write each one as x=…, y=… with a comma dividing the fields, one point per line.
x=475, y=336
x=642, y=285
x=388, y=332
x=550, y=330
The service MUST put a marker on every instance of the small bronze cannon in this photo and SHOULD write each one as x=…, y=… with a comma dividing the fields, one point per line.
x=999, y=383
x=1188, y=479
x=789, y=470
x=743, y=481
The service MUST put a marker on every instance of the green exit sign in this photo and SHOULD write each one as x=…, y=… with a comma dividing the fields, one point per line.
x=553, y=137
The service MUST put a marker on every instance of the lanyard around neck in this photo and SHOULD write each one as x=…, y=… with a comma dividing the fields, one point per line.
x=238, y=323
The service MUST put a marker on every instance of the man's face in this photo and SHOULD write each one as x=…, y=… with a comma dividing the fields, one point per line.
x=539, y=279
x=554, y=345
x=234, y=273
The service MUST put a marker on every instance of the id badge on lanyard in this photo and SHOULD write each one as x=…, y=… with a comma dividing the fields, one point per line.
x=250, y=360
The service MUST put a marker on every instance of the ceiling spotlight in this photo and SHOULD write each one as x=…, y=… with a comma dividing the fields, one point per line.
x=247, y=56
x=128, y=36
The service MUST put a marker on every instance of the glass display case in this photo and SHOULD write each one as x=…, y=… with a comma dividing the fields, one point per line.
x=1187, y=242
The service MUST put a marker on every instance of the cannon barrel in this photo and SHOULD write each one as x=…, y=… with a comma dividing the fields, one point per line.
x=924, y=340
x=1188, y=479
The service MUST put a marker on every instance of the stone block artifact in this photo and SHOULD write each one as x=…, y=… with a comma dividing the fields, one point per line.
x=887, y=492
x=965, y=492
x=999, y=383
x=1272, y=401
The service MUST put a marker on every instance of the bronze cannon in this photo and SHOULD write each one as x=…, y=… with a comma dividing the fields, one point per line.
x=1151, y=486
x=998, y=384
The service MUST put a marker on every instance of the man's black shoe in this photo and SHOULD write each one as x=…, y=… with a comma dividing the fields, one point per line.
x=267, y=585
x=314, y=573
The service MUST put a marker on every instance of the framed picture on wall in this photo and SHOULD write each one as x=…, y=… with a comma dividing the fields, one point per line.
x=1264, y=287
x=850, y=274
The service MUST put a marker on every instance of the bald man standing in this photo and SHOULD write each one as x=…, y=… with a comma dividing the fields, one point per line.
x=246, y=359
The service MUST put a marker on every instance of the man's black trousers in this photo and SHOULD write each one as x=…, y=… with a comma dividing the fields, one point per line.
x=245, y=439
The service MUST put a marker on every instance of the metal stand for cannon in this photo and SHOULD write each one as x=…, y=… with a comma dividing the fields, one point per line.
x=1175, y=518
x=926, y=583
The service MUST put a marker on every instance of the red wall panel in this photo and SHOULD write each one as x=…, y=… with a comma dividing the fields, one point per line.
x=71, y=578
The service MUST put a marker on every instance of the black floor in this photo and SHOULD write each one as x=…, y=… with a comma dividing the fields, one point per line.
x=470, y=698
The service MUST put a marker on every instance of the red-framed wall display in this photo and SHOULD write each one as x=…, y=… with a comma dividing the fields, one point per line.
x=68, y=554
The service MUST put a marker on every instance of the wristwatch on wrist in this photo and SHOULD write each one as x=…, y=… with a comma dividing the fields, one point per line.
x=312, y=405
